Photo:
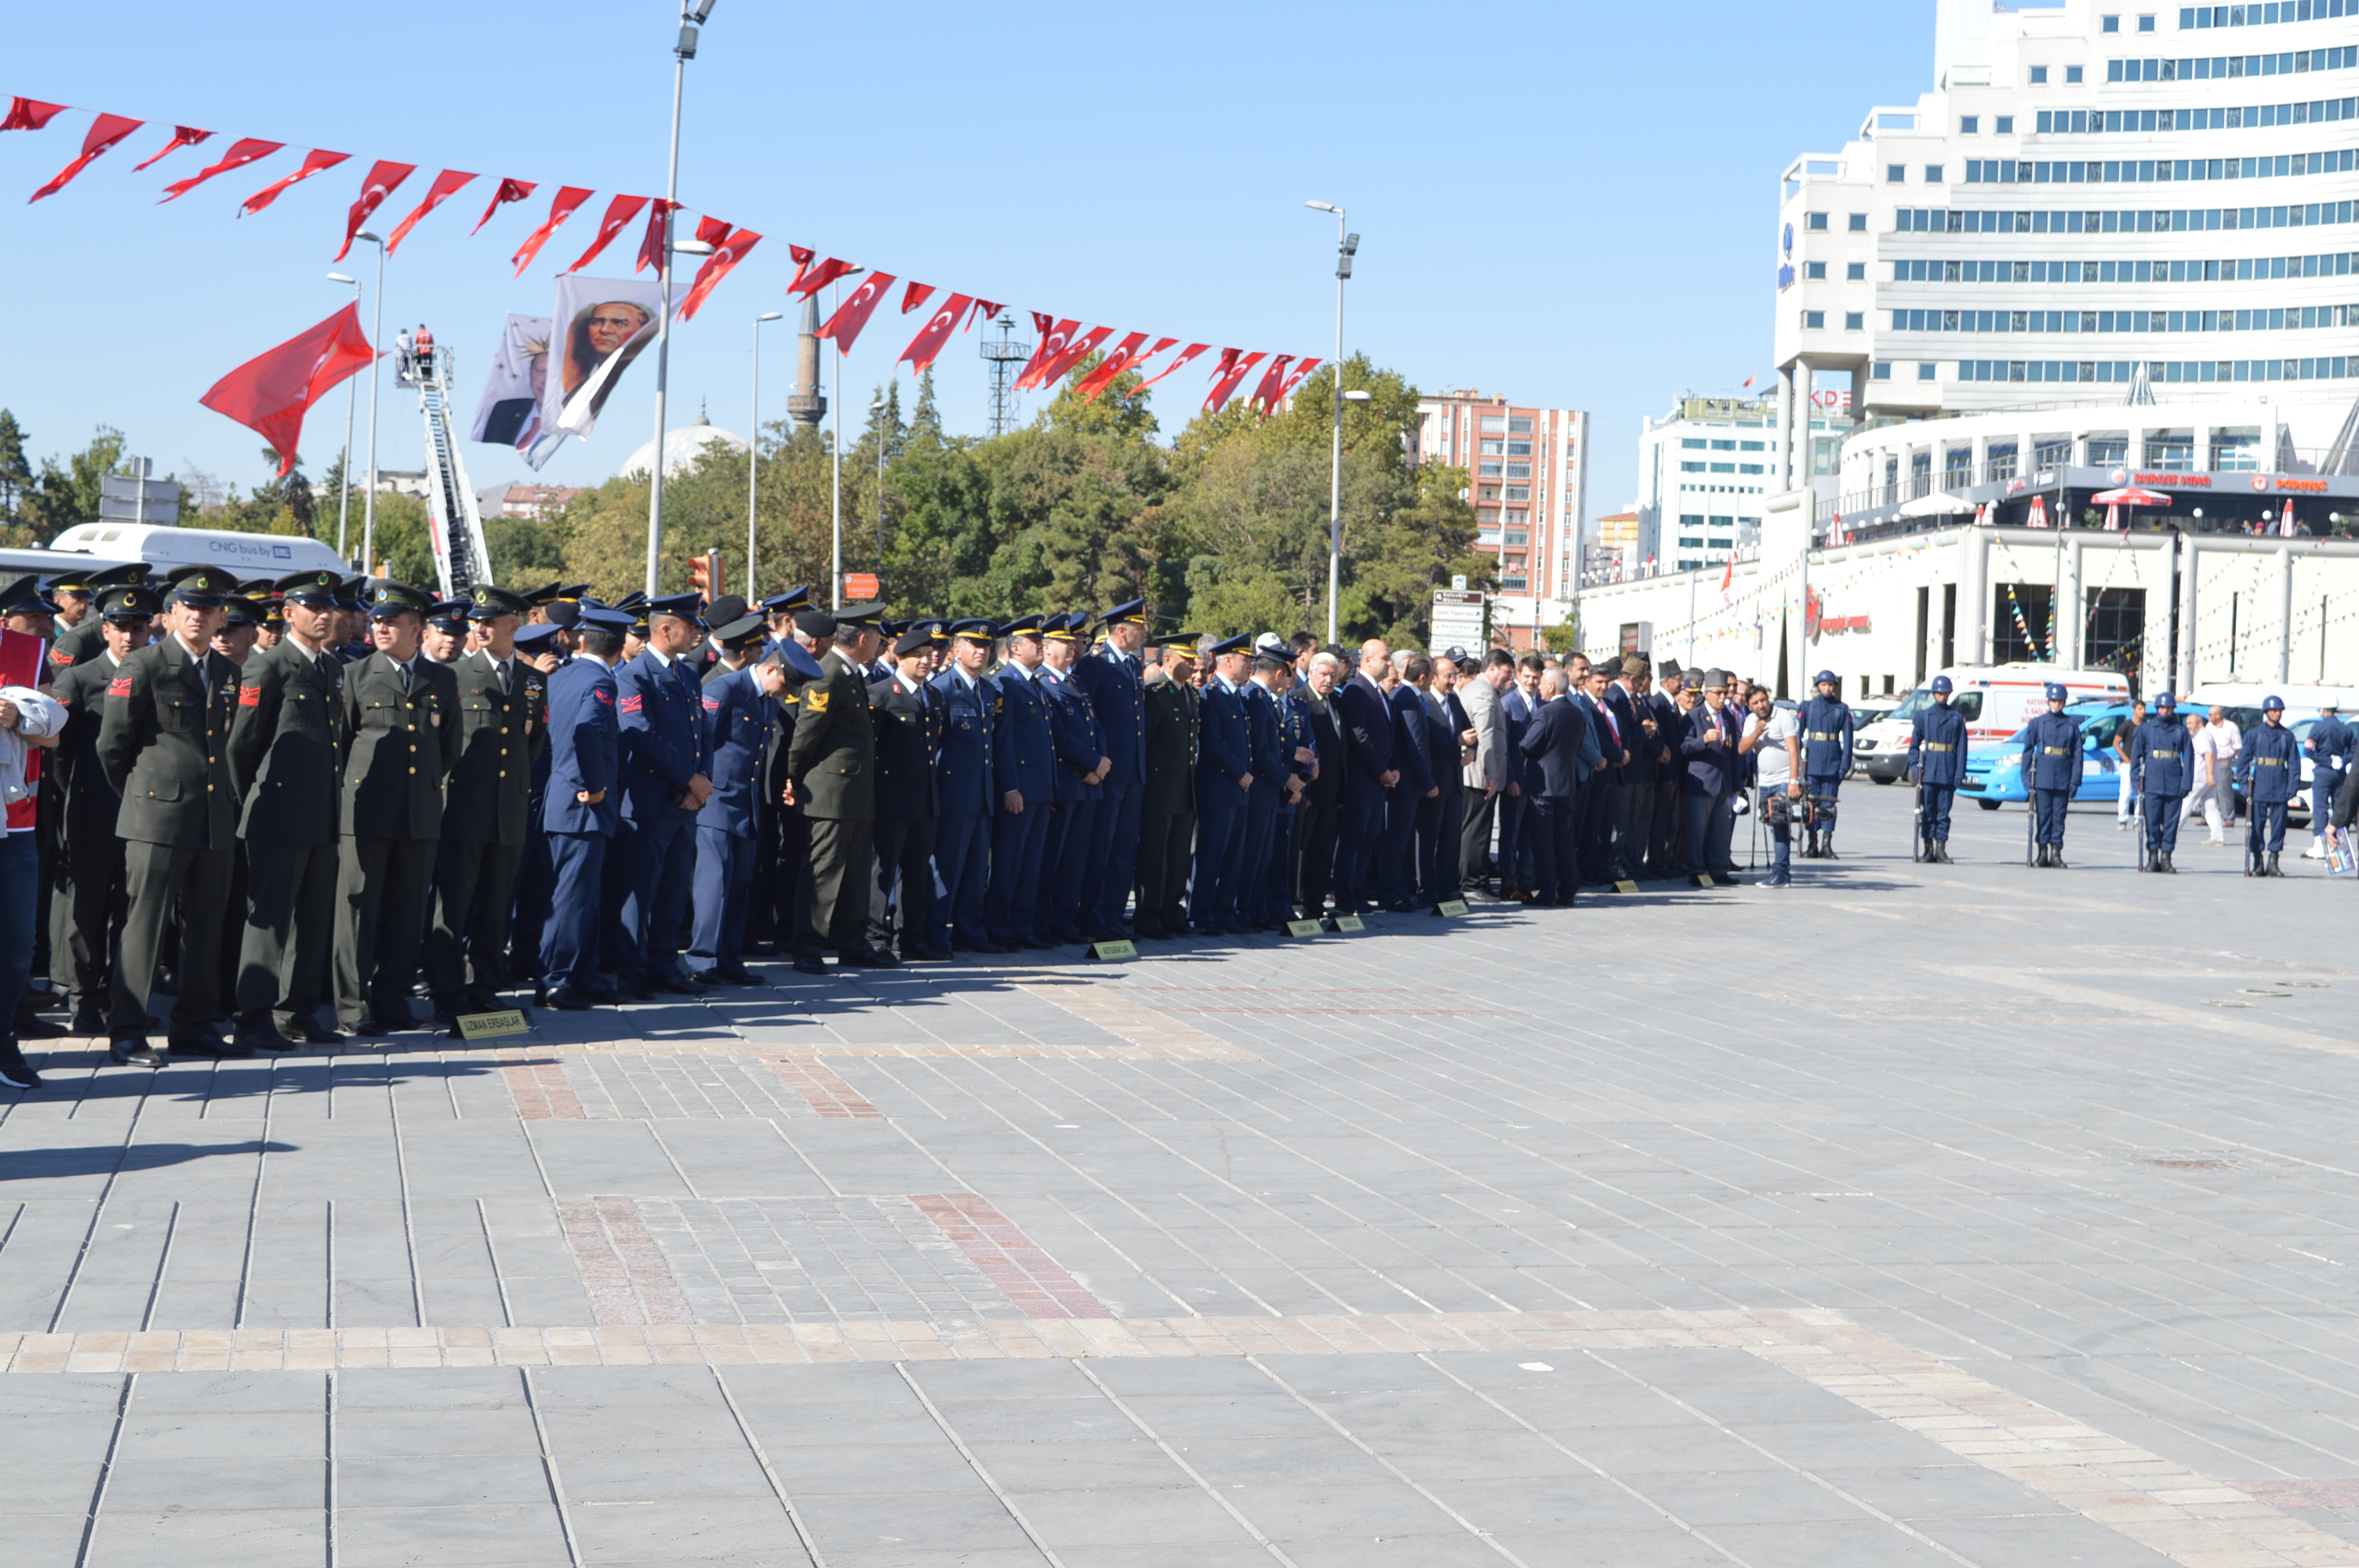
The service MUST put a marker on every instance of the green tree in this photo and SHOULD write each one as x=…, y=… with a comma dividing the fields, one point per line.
x=17, y=474
x=926, y=419
x=69, y=495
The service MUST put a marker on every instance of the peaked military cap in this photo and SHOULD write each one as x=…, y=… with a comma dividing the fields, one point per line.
x=129, y=601
x=1023, y=626
x=241, y=611
x=815, y=623
x=796, y=598
x=1069, y=627
x=1133, y=612
x=113, y=577
x=729, y=606
x=1186, y=641
x=391, y=598
x=352, y=593
x=203, y=587
x=489, y=603
x=23, y=597
x=448, y=615
x=1217, y=646
x=913, y=641
x=603, y=618
x=741, y=632
x=862, y=616
x=74, y=580
x=530, y=638
x=795, y=657
x=684, y=606
x=974, y=629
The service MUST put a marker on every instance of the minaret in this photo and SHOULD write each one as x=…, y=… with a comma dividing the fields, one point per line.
x=807, y=407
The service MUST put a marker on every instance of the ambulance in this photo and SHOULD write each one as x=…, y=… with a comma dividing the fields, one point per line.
x=1995, y=700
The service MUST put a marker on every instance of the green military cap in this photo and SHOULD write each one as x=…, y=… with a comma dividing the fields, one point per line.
x=746, y=632
x=113, y=577
x=864, y=616
x=1188, y=640
x=352, y=593
x=241, y=611
x=317, y=588
x=129, y=601
x=202, y=587
x=23, y=596
x=392, y=598
x=490, y=604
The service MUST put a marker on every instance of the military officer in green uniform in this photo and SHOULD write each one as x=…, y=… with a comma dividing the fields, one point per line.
x=86, y=925
x=502, y=702
x=1166, y=816
x=401, y=734
x=86, y=638
x=832, y=758
x=285, y=751
x=164, y=746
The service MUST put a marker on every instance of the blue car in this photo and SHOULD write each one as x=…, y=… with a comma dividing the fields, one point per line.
x=1995, y=773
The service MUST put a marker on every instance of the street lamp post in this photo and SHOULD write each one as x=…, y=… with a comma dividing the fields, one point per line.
x=1346, y=246
x=876, y=418
x=754, y=451
x=377, y=351
x=691, y=17
x=344, y=487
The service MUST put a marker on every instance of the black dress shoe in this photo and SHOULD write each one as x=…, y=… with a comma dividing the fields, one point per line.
x=677, y=982
x=808, y=964
x=930, y=954
x=312, y=1032
x=868, y=958
x=565, y=999
x=88, y=1022
x=366, y=1027
x=206, y=1045
x=133, y=1053
x=31, y=1025
x=262, y=1037
x=735, y=974
x=15, y=1073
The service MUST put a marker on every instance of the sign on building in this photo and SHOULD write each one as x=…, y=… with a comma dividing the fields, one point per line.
x=1458, y=619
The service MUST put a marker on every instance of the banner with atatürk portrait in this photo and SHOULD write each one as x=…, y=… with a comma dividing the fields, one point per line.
x=600, y=326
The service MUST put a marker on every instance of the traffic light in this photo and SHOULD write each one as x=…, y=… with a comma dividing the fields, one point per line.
x=700, y=577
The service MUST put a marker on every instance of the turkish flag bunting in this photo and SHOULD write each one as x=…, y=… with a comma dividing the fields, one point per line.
x=1074, y=351
x=105, y=131
x=653, y=244
x=238, y=156
x=1226, y=376
x=811, y=279
x=1302, y=369
x=619, y=213
x=984, y=309
x=183, y=136
x=713, y=231
x=1186, y=354
x=853, y=313
x=568, y=197
x=1090, y=385
x=29, y=115
x=1728, y=574
x=313, y=163
x=803, y=256
x=509, y=190
x=915, y=295
x=1265, y=394
x=1053, y=338
x=447, y=184
x=729, y=250
x=385, y=176
x=928, y=343
x=269, y=393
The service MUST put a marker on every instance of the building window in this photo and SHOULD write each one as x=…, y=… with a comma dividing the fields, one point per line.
x=2146, y=24
x=2109, y=23
x=1932, y=174
x=1693, y=444
x=1882, y=371
x=1924, y=372
x=1492, y=449
x=1969, y=124
x=1896, y=173
x=1519, y=427
x=1854, y=321
x=2005, y=126
x=1494, y=422
x=1519, y=449
x=2072, y=75
x=1815, y=271
x=1487, y=471
x=1814, y=318
x=1855, y=272
x=2038, y=76
x=1519, y=492
x=1859, y=222
x=1816, y=221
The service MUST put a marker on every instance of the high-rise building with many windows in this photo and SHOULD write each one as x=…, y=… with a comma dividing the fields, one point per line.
x=1528, y=477
x=2099, y=202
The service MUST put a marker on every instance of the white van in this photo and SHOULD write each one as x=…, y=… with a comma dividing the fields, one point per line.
x=1996, y=701
x=166, y=550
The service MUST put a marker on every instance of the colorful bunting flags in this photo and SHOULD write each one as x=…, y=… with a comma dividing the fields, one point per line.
x=845, y=326
x=383, y=176
x=446, y=185
x=107, y=130
x=313, y=163
x=509, y=190
x=619, y=213
x=928, y=343
x=561, y=208
x=245, y=152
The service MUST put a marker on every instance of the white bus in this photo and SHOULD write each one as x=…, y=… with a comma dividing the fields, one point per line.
x=166, y=550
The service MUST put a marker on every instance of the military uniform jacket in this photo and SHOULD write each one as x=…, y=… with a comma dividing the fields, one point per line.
x=1270, y=765
x=398, y=747
x=2329, y=746
x=2052, y=753
x=1224, y=748
x=661, y=709
x=1119, y=699
x=1826, y=739
x=164, y=746
x=738, y=719
x=501, y=734
x=286, y=745
x=963, y=770
x=1294, y=731
x=584, y=749
x=1022, y=752
x=2158, y=759
x=91, y=807
x=1936, y=745
x=1073, y=735
x=2271, y=764
x=909, y=735
x=1171, y=785
x=832, y=757
x=78, y=644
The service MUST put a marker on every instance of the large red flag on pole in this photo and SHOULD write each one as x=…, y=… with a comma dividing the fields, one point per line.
x=238, y=156
x=728, y=250
x=314, y=162
x=107, y=130
x=446, y=185
x=270, y=393
x=383, y=178
x=851, y=316
x=927, y=344
x=183, y=136
x=567, y=198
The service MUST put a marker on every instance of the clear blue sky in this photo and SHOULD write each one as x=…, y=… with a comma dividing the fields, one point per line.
x=1573, y=205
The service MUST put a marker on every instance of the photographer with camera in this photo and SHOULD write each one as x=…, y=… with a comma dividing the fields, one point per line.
x=1773, y=739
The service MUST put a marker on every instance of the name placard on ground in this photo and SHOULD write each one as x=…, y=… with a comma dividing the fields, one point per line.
x=1304, y=928
x=492, y=1025
x=1117, y=949
x=1451, y=906
x=1626, y=885
x=1349, y=923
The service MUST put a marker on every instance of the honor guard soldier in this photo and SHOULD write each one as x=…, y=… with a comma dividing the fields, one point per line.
x=1167, y=797
x=1115, y=681
x=401, y=735
x=2330, y=744
x=240, y=634
x=831, y=757
x=1224, y=780
x=274, y=627
x=907, y=714
x=740, y=714
x=781, y=843
x=1271, y=788
x=502, y=702
x=1937, y=757
x=86, y=638
x=1826, y=758
x=86, y=927
x=664, y=784
x=2159, y=777
x=966, y=790
x=445, y=637
x=2052, y=771
x=1077, y=776
x=581, y=807
x=286, y=751
x=352, y=642
x=2269, y=770
x=1022, y=755
x=163, y=744
x=538, y=643
x=1271, y=902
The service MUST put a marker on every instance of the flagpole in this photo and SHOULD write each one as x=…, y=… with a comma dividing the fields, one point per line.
x=376, y=353
x=681, y=54
x=754, y=453
x=835, y=375
x=344, y=485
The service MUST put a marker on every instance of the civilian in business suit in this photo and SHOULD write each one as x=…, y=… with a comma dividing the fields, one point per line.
x=1397, y=868
x=1555, y=742
x=1516, y=705
x=1707, y=746
x=1167, y=797
x=580, y=810
x=908, y=715
x=1602, y=816
x=1224, y=780
x=1321, y=813
x=1626, y=697
x=1371, y=773
x=1453, y=742
x=1485, y=776
x=1663, y=833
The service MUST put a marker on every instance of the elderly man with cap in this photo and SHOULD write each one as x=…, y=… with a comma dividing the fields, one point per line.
x=1167, y=797
x=1826, y=758
x=1224, y=780
x=581, y=808
x=2160, y=767
x=652, y=868
x=1937, y=758
x=163, y=744
x=285, y=749
x=2268, y=768
x=2052, y=771
x=968, y=785
x=740, y=714
x=2330, y=743
x=1022, y=755
x=89, y=907
x=400, y=737
x=907, y=714
x=832, y=758
x=485, y=810
x=1115, y=681
x=1077, y=774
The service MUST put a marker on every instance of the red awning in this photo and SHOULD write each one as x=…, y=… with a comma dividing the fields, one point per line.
x=2132, y=496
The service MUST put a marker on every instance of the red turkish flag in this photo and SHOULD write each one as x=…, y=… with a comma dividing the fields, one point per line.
x=29, y=115
x=1227, y=375
x=446, y=185
x=1072, y=353
x=713, y=231
x=509, y=190
x=1126, y=354
x=238, y=156
x=653, y=248
x=811, y=279
x=568, y=197
x=270, y=393
x=803, y=256
x=853, y=313
x=984, y=309
x=728, y=250
x=915, y=295
x=383, y=176
x=105, y=131
x=619, y=213
x=1053, y=339
x=928, y=343
x=313, y=163
x=1301, y=374
x=1186, y=354
x=183, y=136
x=1265, y=394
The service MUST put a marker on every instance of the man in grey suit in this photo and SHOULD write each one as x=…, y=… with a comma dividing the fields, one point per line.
x=1479, y=689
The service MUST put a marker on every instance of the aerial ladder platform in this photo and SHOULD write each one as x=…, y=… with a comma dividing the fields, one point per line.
x=461, y=559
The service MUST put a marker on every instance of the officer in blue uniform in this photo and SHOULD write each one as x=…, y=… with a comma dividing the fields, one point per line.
x=2269, y=770
x=1224, y=779
x=1937, y=758
x=1115, y=682
x=741, y=714
x=1022, y=755
x=1272, y=786
x=2159, y=774
x=2052, y=771
x=1826, y=758
x=582, y=807
x=967, y=799
x=540, y=645
x=1079, y=775
x=1297, y=759
x=2330, y=745
x=664, y=781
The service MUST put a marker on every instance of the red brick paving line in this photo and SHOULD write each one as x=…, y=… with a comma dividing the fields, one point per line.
x=538, y=1086
x=629, y=1281
x=823, y=1090
x=1025, y=1274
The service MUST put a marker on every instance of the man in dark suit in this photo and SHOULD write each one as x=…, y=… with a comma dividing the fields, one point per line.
x=1321, y=813
x=1663, y=829
x=1224, y=780
x=1626, y=698
x=1167, y=795
x=86, y=944
x=908, y=719
x=1556, y=739
x=1396, y=869
x=1369, y=777
x=1518, y=703
x=1607, y=794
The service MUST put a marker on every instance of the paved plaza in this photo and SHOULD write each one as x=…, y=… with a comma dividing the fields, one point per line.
x=1914, y=1215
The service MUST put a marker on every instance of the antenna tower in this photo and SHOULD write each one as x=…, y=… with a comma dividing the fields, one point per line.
x=1004, y=355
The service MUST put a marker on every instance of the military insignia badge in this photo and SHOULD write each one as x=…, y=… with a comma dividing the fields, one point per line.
x=816, y=701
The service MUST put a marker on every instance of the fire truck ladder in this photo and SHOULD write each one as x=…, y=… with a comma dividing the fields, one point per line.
x=461, y=558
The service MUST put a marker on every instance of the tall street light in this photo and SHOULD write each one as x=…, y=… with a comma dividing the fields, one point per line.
x=754, y=451
x=691, y=17
x=376, y=353
x=344, y=488
x=1346, y=246
x=876, y=418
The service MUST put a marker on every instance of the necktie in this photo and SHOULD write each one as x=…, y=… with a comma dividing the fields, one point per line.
x=404, y=669
x=502, y=665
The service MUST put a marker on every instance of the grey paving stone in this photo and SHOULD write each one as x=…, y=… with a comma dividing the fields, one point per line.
x=264, y=1538
x=226, y=1481
x=255, y=1435
x=854, y=1469
x=527, y=1537
x=1114, y=1516
x=1745, y=1497
x=910, y=1522
x=664, y=1474
x=441, y=1480
x=382, y=1433
x=727, y=1530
